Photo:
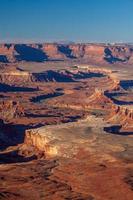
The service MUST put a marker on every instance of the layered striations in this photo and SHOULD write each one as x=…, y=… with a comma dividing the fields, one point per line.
x=95, y=53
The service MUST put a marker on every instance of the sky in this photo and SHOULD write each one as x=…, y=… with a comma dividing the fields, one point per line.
x=66, y=20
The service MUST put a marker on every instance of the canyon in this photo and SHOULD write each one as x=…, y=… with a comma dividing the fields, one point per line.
x=66, y=121
x=93, y=53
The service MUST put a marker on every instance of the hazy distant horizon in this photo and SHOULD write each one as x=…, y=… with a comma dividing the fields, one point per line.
x=60, y=42
x=30, y=41
x=81, y=21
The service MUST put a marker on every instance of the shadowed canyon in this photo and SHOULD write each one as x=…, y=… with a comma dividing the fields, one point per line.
x=66, y=121
x=101, y=53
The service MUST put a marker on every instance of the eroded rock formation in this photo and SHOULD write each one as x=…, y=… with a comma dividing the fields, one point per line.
x=95, y=53
x=57, y=120
x=10, y=109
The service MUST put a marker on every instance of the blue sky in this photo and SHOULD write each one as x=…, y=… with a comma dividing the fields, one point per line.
x=66, y=20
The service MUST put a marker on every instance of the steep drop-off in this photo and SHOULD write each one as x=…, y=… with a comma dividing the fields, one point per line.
x=95, y=53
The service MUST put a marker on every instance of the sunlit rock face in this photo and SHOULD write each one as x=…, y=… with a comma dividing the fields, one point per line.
x=10, y=109
x=53, y=141
x=95, y=53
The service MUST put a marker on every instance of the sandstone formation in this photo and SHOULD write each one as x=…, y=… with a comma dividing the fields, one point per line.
x=65, y=133
x=95, y=53
x=122, y=116
x=19, y=77
x=10, y=109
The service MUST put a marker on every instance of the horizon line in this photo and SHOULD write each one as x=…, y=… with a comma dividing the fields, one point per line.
x=60, y=42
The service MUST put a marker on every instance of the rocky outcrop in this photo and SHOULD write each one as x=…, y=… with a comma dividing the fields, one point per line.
x=61, y=140
x=123, y=116
x=6, y=53
x=13, y=77
x=98, y=100
x=41, y=142
x=95, y=53
x=18, y=76
x=52, y=52
x=22, y=77
x=10, y=109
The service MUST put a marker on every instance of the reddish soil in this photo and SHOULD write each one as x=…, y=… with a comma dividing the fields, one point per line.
x=60, y=96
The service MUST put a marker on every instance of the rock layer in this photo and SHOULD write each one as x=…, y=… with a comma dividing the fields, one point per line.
x=96, y=53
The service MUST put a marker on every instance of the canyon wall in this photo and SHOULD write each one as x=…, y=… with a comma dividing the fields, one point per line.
x=10, y=109
x=48, y=139
x=95, y=53
x=123, y=116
